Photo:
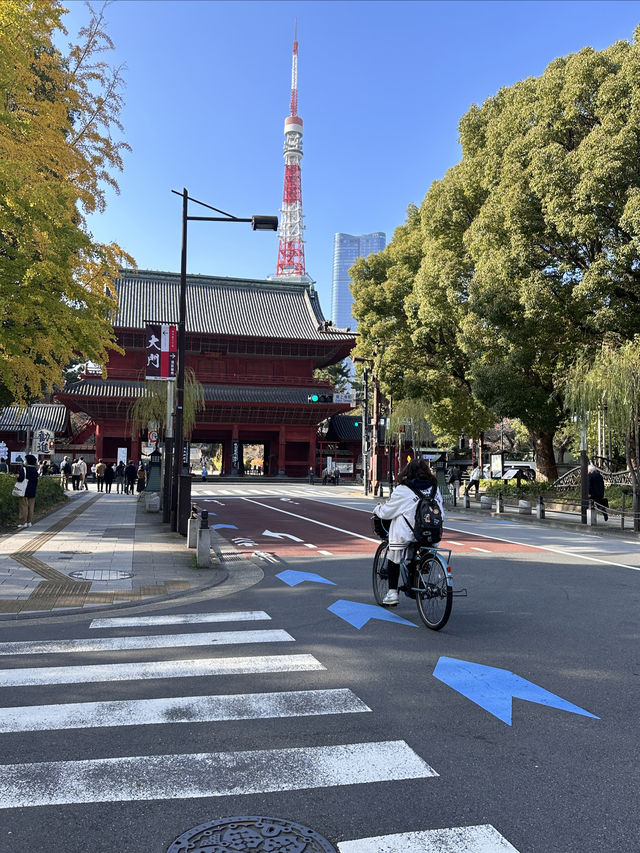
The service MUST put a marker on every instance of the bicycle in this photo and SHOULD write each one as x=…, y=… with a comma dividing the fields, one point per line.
x=426, y=577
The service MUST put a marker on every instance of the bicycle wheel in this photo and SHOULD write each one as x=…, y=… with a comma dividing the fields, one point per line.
x=380, y=573
x=434, y=596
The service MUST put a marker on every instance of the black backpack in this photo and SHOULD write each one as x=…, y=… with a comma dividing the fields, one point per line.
x=427, y=527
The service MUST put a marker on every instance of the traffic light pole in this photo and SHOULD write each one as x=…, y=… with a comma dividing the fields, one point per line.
x=365, y=432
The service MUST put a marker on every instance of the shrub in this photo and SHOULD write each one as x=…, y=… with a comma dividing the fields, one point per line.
x=49, y=494
x=509, y=488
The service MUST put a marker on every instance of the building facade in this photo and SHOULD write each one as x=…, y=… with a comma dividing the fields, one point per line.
x=347, y=248
x=252, y=344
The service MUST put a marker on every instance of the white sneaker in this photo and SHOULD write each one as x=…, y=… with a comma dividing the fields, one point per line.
x=391, y=597
x=28, y=524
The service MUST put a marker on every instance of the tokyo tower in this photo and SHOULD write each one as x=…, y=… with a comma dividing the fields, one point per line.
x=291, y=245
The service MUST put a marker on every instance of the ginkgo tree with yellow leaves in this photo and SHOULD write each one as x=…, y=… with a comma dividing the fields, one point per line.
x=59, y=123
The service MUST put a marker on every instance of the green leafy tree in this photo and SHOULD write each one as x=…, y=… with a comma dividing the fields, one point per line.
x=613, y=376
x=151, y=406
x=337, y=375
x=58, y=152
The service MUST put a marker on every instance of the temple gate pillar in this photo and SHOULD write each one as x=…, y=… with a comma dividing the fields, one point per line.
x=282, y=445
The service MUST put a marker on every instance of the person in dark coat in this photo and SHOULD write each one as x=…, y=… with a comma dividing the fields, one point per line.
x=596, y=490
x=129, y=477
x=109, y=475
x=27, y=503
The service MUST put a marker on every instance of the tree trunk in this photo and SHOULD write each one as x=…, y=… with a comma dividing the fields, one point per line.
x=545, y=458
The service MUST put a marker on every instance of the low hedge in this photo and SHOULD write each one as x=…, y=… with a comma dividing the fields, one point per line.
x=510, y=489
x=49, y=494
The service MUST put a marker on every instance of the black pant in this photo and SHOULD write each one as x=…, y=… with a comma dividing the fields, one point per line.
x=601, y=503
x=75, y=480
x=473, y=483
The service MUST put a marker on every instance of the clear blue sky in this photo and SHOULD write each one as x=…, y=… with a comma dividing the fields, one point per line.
x=382, y=86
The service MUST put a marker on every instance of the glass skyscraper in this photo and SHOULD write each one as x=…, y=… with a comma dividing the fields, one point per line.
x=346, y=250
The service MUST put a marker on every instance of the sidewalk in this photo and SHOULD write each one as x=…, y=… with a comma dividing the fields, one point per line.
x=559, y=518
x=95, y=551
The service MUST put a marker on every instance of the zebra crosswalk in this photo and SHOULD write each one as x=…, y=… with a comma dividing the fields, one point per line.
x=82, y=781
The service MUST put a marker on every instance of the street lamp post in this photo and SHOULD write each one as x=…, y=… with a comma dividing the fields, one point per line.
x=181, y=482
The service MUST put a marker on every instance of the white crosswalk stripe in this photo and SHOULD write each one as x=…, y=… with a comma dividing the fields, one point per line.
x=460, y=839
x=207, y=774
x=38, y=676
x=185, y=709
x=165, y=641
x=180, y=619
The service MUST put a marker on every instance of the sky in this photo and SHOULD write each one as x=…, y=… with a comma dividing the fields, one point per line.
x=381, y=89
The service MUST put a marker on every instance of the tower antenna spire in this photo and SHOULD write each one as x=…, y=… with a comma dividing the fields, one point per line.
x=291, y=244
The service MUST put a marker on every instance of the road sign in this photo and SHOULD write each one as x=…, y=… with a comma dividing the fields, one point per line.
x=153, y=435
x=494, y=689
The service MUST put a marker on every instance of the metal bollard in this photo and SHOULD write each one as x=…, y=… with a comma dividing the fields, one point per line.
x=203, y=555
x=467, y=502
x=540, y=507
x=499, y=503
x=624, y=495
x=592, y=514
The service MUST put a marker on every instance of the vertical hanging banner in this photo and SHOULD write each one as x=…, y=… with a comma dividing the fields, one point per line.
x=161, y=345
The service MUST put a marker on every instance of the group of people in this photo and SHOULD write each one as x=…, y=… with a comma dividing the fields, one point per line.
x=127, y=478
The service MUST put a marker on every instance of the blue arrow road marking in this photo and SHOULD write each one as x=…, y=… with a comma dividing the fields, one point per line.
x=220, y=526
x=494, y=689
x=359, y=614
x=292, y=578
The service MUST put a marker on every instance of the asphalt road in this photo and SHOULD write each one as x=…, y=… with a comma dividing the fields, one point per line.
x=361, y=739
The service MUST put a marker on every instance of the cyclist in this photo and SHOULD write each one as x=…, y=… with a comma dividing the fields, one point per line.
x=400, y=509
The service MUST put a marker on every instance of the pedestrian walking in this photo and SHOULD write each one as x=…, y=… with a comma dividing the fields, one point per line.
x=65, y=473
x=454, y=480
x=109, y=475
x=204, y=472
x=28, y=472
x=100, y=470
x=129, y=477
x=596, y=491
x=76, y=475
x=83, y=474
x=311, y=476
x=119, y=477
x=474, y=480
x=141, y=478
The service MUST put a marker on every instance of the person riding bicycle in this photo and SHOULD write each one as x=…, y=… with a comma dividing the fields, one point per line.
x=400, y=509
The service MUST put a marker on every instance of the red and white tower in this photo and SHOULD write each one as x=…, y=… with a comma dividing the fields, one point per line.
x=291, y=246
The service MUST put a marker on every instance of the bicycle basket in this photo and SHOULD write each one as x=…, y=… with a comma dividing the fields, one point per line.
x=380, y=527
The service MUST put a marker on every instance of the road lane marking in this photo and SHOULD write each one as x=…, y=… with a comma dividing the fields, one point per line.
x=564, y=553
x=309, y=545
x=312, y=520
x=184, y=709
x=217, y=774
x=325, y=553
x=37, y=676
x=461, y=839
x=161, y=641
x=484, y=550
x=180, y=619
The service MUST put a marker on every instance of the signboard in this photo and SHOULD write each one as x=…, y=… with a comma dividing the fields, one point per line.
x=235, y=453
x=122, y=455
x=43, y=441
x=148, y=447
x=161, y=349
x=17, y=457
x=4, y=450
x=496, y=464
x=344, y=467
x=348, y=397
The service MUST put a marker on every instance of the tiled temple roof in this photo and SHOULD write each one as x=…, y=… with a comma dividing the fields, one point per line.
x=49, y=416
x=224, y=306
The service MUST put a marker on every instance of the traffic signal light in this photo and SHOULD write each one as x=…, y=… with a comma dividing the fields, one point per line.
x=320, y=398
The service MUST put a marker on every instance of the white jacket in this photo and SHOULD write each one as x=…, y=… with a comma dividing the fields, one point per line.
x=401, y=509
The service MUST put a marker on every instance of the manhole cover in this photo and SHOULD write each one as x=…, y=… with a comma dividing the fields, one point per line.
x=251, y=835
x=101, y=575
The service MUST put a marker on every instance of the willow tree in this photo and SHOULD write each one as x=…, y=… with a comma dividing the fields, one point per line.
x=613, y=378
x=151, y=406
x=59, y=150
